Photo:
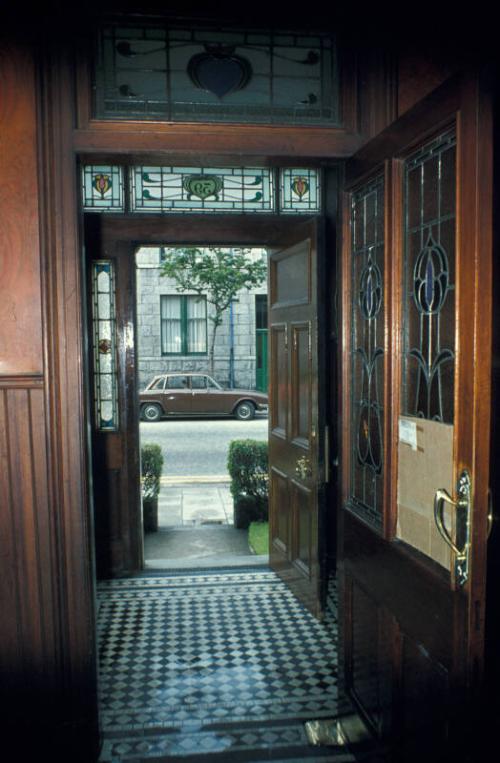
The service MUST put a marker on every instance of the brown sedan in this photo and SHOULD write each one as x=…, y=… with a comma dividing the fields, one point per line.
x=197, y=395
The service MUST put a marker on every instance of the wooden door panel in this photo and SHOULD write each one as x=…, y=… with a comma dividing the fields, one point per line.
x=294, y=417
x=279, y=374
x=279, y=514
x=416, y=361
x=303, y=514
x=290, y=282
x=301, y=384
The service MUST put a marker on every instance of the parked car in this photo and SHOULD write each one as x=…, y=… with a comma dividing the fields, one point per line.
x=179, y=394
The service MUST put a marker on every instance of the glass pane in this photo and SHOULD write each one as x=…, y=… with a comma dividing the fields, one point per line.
x=180, y=73
x=300, y=191
x=198, y=382
x=171, y=324
x=367, y=350
x=102, y=188
x=196, y=310
x=177, y=382
x=104, y=346
x=202, y=189
x=429, y=281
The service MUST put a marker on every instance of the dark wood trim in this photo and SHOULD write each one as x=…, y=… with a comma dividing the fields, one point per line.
x=22, y=381
x=197, y=140
x=394, y=306
x=474, y=280
x=424, y=119
x=72, y=554
x=258, y=230
x=345, y=354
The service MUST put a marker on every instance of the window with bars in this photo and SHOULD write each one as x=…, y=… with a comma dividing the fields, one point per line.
x=183, y=324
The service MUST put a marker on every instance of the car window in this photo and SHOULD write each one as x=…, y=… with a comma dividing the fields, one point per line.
x=158, y=384
x=177, y=382
x=198, y=382
x=211, y=384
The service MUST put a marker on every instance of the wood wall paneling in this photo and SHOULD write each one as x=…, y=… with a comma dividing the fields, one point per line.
x=20, y=305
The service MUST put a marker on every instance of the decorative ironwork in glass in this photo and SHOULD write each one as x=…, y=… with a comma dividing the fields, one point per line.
x=189, y=189
x=104, y=346
x=205, y=74
x=367, y=351
x=300, y=191
x=102, y=188
x=429, y=274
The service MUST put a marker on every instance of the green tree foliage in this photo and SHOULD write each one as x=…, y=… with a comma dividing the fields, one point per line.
x=217, y=273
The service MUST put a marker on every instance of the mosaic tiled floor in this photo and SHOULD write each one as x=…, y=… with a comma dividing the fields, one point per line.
x=220, y=665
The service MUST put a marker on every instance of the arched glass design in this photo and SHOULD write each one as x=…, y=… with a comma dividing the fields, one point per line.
x=367, y=353
x=429, y=281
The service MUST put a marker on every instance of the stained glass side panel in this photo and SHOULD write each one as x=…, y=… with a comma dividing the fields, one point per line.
x=367, y=351
x=300, y=191
x=102, y=188
x=104, y=346
x=429, y=281
x=190, y=189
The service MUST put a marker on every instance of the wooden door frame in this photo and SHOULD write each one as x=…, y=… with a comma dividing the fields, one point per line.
x=120, y=237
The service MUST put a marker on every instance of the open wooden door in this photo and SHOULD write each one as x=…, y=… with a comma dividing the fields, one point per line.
x=296, y=408
x=416, y=407
x=115, y=416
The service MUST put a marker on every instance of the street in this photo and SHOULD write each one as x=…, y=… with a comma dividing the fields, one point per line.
x=198, y=447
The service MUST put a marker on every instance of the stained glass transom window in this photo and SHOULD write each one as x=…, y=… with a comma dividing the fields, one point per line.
x=176, y=73
x=429, y=281
x=367, y=351
x=300, y=191
x=102, y=188
x=188, y=189
x=104, y=346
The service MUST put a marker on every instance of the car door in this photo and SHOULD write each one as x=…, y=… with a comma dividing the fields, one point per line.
x=207, y=399
x=416, y=408
x=177, y=395
x=296, y=407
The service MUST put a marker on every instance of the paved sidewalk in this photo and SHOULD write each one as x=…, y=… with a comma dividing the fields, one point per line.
x=195, y=529
x=193, y=505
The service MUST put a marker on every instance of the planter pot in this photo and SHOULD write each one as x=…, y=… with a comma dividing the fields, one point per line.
x=150, y=514
x=248, y=510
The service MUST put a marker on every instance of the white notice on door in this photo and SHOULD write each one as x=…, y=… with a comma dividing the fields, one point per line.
x=408, y=432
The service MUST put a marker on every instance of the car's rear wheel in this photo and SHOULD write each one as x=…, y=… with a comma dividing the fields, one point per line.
x=245, y=411
x=151, y=412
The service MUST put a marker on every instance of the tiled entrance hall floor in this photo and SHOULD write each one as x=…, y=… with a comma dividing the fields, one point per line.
x=219, y=665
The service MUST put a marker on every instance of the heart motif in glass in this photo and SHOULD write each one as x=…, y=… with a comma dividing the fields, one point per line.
x=203, y=186
x=219, y=70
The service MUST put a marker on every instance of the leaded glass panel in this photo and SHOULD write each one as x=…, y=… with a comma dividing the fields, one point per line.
x=187, y=74
x=300, y=191
x=191, y=189
x=102, y=188
x=104, y=346
x=367, y=351
x=429, y=281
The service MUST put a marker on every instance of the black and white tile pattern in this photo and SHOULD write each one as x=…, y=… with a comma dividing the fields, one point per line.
x=223, y=663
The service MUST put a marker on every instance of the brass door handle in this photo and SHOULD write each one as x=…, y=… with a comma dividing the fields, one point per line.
x=462, y=506
x=303, y=468
x=442, y=497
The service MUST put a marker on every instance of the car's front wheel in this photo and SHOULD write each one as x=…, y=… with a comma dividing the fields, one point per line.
x=150, y=412
x=245, y=411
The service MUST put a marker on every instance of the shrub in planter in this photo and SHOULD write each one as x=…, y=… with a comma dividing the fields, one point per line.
x=247, y=465
x=151, y=468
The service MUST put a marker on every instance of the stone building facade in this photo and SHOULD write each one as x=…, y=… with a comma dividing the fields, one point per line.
x=235, y=347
